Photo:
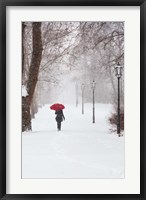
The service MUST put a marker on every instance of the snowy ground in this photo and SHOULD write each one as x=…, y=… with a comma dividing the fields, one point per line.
x=80, y=150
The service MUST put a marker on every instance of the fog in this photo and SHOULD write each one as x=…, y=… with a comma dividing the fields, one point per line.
x=74, y=55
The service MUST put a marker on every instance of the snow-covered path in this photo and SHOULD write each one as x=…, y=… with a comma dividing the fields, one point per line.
x=81, y=150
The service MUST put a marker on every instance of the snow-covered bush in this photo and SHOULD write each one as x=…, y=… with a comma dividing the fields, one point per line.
x=113, y=121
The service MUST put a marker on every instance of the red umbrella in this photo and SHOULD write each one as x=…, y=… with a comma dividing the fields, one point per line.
x=57, y=106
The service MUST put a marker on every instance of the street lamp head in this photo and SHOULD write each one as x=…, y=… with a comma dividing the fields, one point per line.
x=93, y=84
x=118, y=69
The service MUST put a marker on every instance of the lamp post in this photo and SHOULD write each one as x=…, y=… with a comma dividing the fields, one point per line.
x=83, y=97
x=93, y=87
x=118, y=70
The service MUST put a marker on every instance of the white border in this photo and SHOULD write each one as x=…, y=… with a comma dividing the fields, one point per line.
x=131, y=183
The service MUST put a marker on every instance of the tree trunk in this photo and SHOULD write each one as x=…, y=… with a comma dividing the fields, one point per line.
x=33, y=76
x=26, y=117
x=34, y=105
x=23, y=30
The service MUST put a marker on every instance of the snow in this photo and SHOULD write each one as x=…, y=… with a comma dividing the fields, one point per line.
x=24, y=91
x=80, y=150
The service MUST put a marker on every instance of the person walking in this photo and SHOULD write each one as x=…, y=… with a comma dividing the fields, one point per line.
x=59, y=118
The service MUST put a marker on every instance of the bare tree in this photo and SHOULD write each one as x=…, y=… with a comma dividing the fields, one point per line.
x=33, y=75
x=102, y=45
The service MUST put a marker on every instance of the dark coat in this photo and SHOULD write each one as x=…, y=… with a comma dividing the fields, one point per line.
x=59, y=115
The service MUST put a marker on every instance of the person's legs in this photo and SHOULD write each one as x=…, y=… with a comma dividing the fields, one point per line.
x=59, y=125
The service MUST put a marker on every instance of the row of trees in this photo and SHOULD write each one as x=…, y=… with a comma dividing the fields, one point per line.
x=83, y=50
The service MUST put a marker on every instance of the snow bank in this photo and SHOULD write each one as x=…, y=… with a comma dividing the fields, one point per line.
x=24, y=91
